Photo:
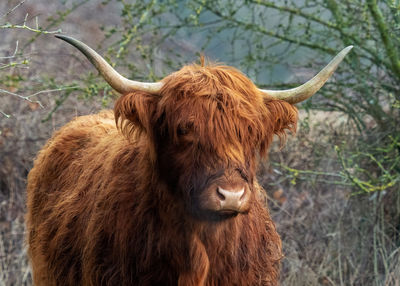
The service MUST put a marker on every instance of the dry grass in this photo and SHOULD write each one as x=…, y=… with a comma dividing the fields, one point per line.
x=24, y=133
x=328, y=236
x=20, y=139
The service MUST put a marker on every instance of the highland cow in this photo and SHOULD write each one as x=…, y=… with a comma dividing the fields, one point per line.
x=163, y=190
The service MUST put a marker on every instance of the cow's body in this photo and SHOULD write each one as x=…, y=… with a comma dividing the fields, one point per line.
x=94, y=220
x=163, y=191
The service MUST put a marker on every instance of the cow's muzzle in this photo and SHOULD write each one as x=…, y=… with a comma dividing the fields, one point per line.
x=228, y=194
x=231, y=200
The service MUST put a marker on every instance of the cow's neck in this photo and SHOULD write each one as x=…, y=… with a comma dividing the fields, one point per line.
x=209, y=252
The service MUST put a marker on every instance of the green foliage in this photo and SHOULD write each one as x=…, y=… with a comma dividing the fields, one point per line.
x=382, y=160
x=259, y=35
x=268, y=40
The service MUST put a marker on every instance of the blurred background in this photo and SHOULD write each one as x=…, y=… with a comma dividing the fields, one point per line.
x=333, y=189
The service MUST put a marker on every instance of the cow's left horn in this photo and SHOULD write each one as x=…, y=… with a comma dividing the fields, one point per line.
x=114, y=79
x=304, y=91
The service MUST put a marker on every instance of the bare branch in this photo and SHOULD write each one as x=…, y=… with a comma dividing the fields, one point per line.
x=13, y=55
x=53, y=90
x=5, y=114
x=20, y=96
x=14, y=64
x=13, y=9
x=350, y=39
x=390, y=48
x=263, y=30
x=28, y=97
x=25, y=27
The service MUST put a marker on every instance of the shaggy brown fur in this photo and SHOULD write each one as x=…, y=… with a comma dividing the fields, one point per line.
x=119, y=199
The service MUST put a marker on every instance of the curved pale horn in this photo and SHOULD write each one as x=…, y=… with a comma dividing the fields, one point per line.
x=304, y=91
x=114, y=79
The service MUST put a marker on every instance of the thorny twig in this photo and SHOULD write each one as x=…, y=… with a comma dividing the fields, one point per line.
x=28, y=97
x=13, y=9
x=37, y=30
x=24, y=26
x=5, y=114
x=12, y=64
x=13, y=55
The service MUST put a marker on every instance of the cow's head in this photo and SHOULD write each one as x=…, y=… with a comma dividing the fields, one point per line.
x=207, y=126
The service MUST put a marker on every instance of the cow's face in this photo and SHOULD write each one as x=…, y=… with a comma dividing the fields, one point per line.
x=208, y=125
x=205, y=127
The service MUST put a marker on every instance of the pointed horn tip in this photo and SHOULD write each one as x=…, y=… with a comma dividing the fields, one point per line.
x=341, y=55
x=60, y=36
x=65, y=38
x=285, y=94
x=347, y=49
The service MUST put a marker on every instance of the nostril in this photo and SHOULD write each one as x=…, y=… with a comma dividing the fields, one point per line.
x=220, y=195
x=241, y=194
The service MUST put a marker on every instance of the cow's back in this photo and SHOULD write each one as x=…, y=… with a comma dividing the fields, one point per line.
x=61, y=189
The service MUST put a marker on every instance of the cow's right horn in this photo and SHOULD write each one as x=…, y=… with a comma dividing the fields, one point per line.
x=308, y=89
x=114, y=79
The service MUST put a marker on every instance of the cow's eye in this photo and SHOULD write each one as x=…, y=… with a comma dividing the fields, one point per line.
x=243, y=174
x=184, y=129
